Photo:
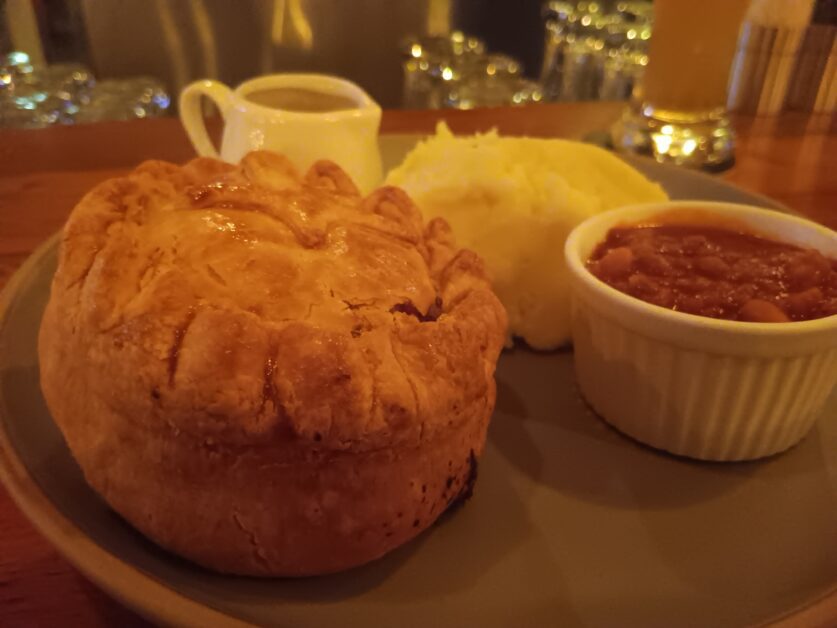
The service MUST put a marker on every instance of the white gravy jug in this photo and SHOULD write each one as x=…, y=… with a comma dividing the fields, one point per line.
x=304, y=116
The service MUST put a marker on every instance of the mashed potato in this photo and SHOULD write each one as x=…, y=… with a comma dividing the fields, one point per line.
x=514, y=201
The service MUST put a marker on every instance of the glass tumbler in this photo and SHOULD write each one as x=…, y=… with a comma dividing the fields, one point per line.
x=678, y=110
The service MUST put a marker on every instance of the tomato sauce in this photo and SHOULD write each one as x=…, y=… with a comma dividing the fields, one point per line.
x=717, y=272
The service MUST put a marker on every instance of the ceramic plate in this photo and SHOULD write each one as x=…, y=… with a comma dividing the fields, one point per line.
x=571, y=523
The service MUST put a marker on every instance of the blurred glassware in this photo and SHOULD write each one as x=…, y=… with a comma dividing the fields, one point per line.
x=482, y=81
x=581, y=73
x=560, y=24
x=456, y=72
x=456, y=44
x=626, y=50
x=493, y=83
x=433, y=64
x=592, y=52
x=34, y=97
x=677, y=111
x=641, y=11
x=13, y=69
x=140, y=97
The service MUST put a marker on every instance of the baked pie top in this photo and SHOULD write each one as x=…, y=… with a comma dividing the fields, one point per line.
x=244, y=304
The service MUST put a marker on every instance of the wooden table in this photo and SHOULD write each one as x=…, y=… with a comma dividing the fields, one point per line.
x=43, y=173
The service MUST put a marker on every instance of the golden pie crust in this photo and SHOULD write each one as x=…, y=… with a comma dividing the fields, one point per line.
x=264, y=372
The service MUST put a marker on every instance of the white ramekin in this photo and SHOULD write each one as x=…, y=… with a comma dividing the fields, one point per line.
x=696, y=386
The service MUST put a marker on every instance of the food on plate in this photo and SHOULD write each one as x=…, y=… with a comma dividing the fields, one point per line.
x=267, y=373
x=513, y=201
x=717, y=272
x=705, y=382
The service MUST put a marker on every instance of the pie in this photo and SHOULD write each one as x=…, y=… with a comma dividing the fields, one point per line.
x=264, y=372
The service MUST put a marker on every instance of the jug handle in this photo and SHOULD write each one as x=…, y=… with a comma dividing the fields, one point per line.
x=191, y=114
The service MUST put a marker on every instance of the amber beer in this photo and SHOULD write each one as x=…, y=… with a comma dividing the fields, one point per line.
x=690, y=55
x=677, y=113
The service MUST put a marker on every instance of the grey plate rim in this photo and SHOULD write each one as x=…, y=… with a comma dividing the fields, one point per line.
x=123, y=581
x=135, y=588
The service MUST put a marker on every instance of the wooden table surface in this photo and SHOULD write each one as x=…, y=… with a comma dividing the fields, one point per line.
x=43, y=173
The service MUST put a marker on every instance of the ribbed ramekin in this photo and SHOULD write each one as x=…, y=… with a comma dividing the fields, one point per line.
x=696, y=386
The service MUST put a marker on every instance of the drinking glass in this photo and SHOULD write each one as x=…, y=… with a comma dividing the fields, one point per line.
x=678, y=110
x=594, y=51
x=432, y=64
x=124, y=99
